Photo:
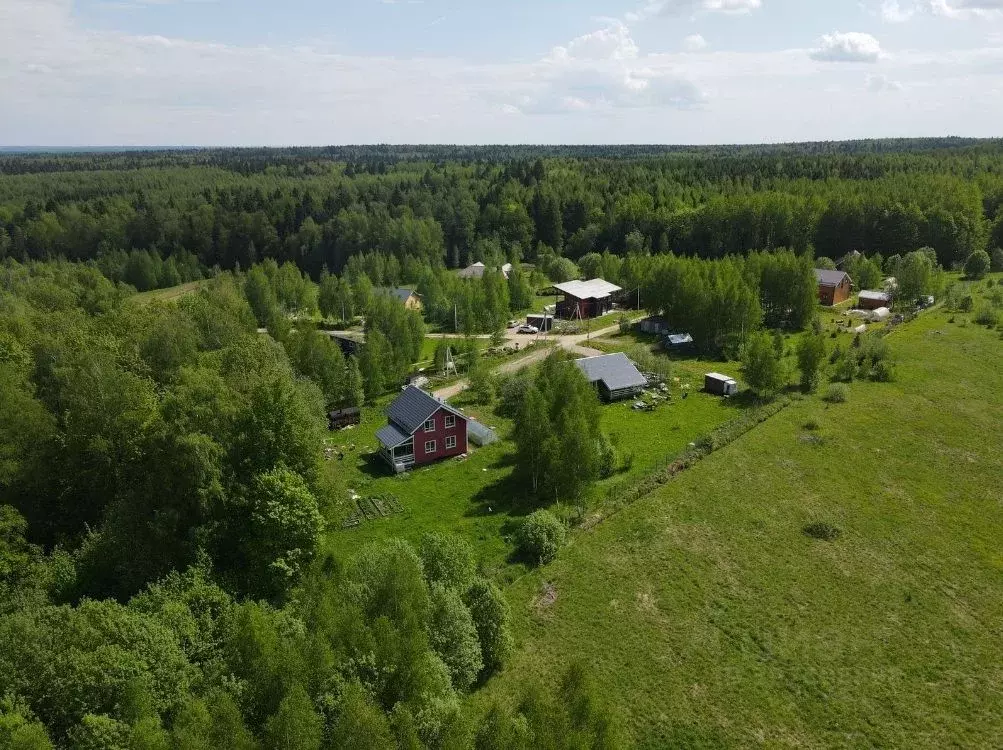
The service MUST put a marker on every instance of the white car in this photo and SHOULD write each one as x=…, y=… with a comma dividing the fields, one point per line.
x=527, y=329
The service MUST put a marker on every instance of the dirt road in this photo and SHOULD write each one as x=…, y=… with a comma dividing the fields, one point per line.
x=573, y=344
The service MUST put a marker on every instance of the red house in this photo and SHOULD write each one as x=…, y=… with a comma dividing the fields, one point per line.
x=421, y=429
x=833, y=286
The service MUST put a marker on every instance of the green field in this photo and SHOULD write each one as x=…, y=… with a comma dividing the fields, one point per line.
x=713, y=620
x=171, y=293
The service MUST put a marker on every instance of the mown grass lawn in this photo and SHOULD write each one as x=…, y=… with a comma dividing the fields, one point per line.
x=712, y=620
x=471, y=497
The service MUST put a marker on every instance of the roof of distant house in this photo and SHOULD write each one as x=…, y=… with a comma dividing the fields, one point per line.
x=593, y=289
x=678, y=339
x=873, y=294
x=826, y=277
x=414, y=407
x=402, y=294
x=719, y=377
x=614, y=370
x=478, y=269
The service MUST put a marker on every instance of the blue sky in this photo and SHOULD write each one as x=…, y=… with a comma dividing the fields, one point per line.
x=250, y=72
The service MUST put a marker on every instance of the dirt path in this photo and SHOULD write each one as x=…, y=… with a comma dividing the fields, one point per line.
x=574, y=344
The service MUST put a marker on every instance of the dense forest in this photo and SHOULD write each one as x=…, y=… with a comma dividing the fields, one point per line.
x=320, y=207
x=164, y=576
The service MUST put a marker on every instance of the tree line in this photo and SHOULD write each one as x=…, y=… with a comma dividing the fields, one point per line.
x=318, y=210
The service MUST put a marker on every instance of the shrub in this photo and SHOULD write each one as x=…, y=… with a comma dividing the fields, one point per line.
x=987, y=316
x=966, y=304
x=978, y=264
x=838, y=393
x=608, y=457
x=812, y=425
x=822, y=531
x=540, y=536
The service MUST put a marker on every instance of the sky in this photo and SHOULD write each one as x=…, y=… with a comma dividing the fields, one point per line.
x=322, y=72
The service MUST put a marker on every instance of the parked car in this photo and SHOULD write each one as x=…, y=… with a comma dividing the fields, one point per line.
x=527, y=329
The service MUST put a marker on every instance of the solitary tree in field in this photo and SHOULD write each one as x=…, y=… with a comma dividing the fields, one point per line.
x=811, y=354
x=762, y=366
x=978, y=264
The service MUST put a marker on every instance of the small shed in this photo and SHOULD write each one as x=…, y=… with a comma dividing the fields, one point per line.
x=678, y=342
x=340, y=418
x=720, y=385
x=614, y=375
x=542, y=321
x=871, y=299
x=655, y=324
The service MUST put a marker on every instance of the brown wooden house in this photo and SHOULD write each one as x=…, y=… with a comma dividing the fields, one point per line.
x=833, y=286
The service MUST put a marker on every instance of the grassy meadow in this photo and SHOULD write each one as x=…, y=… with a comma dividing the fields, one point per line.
x=712, y=618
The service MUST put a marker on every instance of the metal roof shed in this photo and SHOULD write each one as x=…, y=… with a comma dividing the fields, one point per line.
x=615, y=375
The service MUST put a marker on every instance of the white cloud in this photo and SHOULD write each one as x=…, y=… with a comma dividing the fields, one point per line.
x=605, y=71
x=893, y=12
x=61, y=83
x=693, y=7
x=880, y=83
x=853, y=46
x=694, y=43
x=611, y=43
x=966, y=9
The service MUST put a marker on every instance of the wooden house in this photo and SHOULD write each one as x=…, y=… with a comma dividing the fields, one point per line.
x=421, y=429
x=834, y=287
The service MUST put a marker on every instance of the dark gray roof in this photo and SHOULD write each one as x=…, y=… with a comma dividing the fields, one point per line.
x=391, y=437
x=614, y=370
x=829, y=278
x=402, y=294
x=414, y=407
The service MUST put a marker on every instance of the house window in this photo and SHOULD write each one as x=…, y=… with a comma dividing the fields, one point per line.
x=450, y=442
x=429, y=446
x=450, y=422
x=430, y=425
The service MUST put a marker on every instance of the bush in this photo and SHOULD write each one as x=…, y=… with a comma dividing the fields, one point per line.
x=978, y=264
x=811, y=425
x=987, y=316
x=608, y=457
x=838, y=393
x=822, y=531
x=540, y=536
x=966, y=304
